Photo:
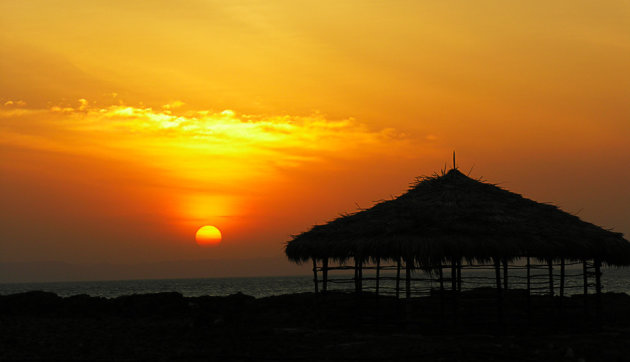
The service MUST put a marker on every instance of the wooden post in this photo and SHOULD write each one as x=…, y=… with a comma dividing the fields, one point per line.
x=325, y=275
x=459, y=275
x=562, y=277
x=585, y=277
x=585, y=280
x=529, y=288
x=598, y=276
x=561, y=285
x=398, y=278
x=361, y=276
x=529, y=282
x=315, y=276
x=598, y=285
x=456, y=273
x=497, y=275
x=453, y=275
x=408, y=278
x=505, y=274
x=441, y=273
x=550, y=265
x=378, y=274
x=356, y=274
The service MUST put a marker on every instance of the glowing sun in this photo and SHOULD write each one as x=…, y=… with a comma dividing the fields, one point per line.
x=208, y=236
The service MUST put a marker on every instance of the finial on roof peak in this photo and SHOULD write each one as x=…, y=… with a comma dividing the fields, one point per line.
x=454, y=164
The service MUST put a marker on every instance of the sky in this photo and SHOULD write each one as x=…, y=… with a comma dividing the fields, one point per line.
x=127, y=125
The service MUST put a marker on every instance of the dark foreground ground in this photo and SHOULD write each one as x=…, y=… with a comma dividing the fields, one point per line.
x=167, y=326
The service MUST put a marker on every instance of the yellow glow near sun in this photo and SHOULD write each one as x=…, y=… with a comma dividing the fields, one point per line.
x=208, y=236
x=195, y=208
x=208, y=160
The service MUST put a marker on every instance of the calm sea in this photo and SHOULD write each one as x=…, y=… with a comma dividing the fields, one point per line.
x=614, y=280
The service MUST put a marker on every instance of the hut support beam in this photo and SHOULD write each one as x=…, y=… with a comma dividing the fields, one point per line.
x=356, y=275
x=585, y=281
x=398, y=278
x=360, y=276
x=459, y=275
x=408, y=278
x=441, y=275
x=528, y=265
x=585, y=277
x=456, y=274
x=453, y=274
x=598, y=285
x=562, y=277
x=598, y=276
x=325, y=275
x=550, y=267
x=529, y=286
x=497, y=275
x=561, y=283
x=378, y=274
x=505, y=274
x=315, y=276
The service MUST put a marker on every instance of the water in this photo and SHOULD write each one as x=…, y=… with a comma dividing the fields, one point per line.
x=257, y=287
x=614, y=280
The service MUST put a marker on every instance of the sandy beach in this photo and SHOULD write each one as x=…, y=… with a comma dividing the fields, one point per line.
x=167, y=326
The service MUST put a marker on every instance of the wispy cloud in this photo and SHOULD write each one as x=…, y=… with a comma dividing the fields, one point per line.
x=170, y=138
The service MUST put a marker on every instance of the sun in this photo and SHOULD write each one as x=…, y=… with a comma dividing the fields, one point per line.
x=208, y=236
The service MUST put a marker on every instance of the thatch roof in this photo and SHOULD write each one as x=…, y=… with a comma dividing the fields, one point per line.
x=453, y=215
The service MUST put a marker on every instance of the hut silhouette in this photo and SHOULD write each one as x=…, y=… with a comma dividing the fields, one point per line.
x=451, y=221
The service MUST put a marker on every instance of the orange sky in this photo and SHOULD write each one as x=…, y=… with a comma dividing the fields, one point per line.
x=124, y=126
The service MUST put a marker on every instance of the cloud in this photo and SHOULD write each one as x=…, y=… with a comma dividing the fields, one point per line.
x=83, y=104
x=173, y=105
x=18, y=103
x=189, y=142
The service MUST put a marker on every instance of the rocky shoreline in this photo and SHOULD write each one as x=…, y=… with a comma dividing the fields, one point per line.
x=168, y=326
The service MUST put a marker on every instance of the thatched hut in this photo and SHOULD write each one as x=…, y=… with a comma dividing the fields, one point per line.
x=452, y=220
